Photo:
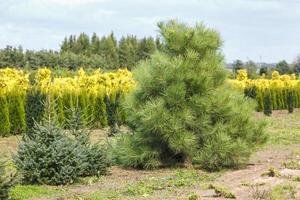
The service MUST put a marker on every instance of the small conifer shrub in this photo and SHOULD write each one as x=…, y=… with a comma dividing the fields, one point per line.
x=50, y=156
x=6, y=182
x=268, y=104
x=290, y=101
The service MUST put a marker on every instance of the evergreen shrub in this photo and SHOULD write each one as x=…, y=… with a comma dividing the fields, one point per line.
x=50, y=156
x=6, y=182
x=290, y=101
x=182, y=110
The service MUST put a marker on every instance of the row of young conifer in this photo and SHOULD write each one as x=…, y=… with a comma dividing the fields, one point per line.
x=278, y=93
x=98, y=96
x=18, y=113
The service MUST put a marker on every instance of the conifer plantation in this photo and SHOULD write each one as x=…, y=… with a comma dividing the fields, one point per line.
x=108, y=117
x=182, y=110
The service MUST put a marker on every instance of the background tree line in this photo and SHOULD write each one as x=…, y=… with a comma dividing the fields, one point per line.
x=254, y=70
x=84, y=51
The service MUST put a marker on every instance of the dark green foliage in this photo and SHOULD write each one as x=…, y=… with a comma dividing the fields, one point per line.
x=83, y=106
x=6, y=182
x=109, y=51
x=100, y=115
x=49, y=156
x=268, y=104
x=250, y=92
x=17, y=113
x=94, y=156
x=11, y=57
x=290, y=99
x=296, y=66
x=128, y=49
x=115, y=113
x=237, y=65
x=251, y=68
x=182, y=110
x=59, y=107
x=283, y=67
x=4, y=117
x=111, y=110
x=84, y=51
x=34, y=108
x=146, y=48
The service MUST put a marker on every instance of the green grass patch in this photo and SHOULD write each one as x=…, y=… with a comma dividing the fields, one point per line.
x=181, y=178
x=23, y=192
x=283, y=191
x=292, y=164
x=143, y=188
x=222, y=191
x=272, y=172
x=297, y=178
x=284, y=130
x=102, y=195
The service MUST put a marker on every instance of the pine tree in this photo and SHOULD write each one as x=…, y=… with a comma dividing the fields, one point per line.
x=109, y=51
x=72, y=43
x=82, y=44
x=49, y=156
x=283, y=67
x=146, y=48
x=65, y=45
x=6, y=182
x=182, y=111
x=123, y=53
x=95, y=44
x=158, y=44
x=94, y=156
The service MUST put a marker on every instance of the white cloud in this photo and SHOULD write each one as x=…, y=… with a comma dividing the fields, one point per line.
x=73, y=2
x=250, y=28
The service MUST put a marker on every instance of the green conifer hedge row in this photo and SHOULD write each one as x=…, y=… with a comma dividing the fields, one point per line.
x=18, y=113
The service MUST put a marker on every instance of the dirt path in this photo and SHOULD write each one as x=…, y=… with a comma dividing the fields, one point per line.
x=239, y=180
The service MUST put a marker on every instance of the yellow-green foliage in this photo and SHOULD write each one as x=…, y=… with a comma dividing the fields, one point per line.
x=222, y=191
x=86, y=91
x=278, y=86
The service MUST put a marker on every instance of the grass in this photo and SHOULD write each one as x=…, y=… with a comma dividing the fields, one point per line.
x=23, y=192
x=144, y=188
x=222, y=191
x=272, y=172
x=283, y=191
x=284, y=130
x=292, y=164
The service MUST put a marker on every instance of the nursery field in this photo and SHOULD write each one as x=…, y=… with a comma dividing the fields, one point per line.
x=172, y=128
x=272, y=173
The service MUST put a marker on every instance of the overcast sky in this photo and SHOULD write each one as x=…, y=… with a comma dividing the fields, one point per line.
x=261, y=30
